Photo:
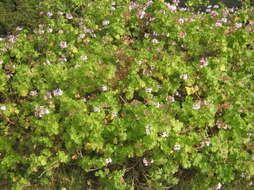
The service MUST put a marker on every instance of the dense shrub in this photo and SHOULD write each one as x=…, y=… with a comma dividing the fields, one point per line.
x=138, y=95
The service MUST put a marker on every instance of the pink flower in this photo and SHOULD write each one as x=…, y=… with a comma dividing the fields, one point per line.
x=214, y=13
x=218, y=24
x=171, y=7
x=63, y=44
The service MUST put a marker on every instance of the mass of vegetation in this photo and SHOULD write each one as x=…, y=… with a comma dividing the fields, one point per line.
x=126, y=95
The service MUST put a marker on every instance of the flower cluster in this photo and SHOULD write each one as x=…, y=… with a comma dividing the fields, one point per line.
x=40, y=111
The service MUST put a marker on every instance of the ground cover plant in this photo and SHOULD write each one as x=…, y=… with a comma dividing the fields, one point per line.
x=128, y=95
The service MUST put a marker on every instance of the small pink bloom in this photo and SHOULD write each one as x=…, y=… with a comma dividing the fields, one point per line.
x=218, y=24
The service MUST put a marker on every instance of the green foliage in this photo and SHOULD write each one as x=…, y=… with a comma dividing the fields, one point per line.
x=137, y=100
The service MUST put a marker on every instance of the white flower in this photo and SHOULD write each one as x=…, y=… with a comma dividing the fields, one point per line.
x=139, y=62
x=3, y=108
x=238, y=25
x=184, y=76
x=63, y=58
x=63, y=44
x=148, y=90
x=224, y=20
x=49, y=14
x=60, y=13
x=177, y=147
x=33, y=93
x=164, y=135
x=104, y=88
x=81, y=36
x=141, y=14
x=105, y=22
x=146, y=162
x=181, y=21
x=83, y=58
x=96, y=109
x=60, y=32
x=68, y=16
x=196, y=106
x=155, y=41
x=183, y=9
x=147, y=35
x=50, y=30
x=40, y=31
x=157, y=104
x=1, y=62
x=203, y=62
x=57, y=92
x=218, y=186
x=114, y=114
x=216, y=6
x=108, y=160
x=77, y=66
x=47, y=62
x=170, y=98
x=19, y=28
x=148, y=129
